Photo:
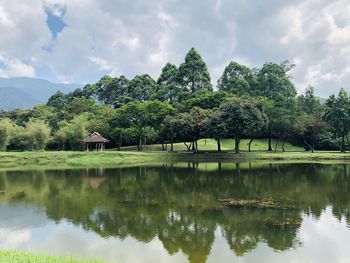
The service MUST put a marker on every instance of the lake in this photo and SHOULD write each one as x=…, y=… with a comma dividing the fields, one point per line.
x=174, y=212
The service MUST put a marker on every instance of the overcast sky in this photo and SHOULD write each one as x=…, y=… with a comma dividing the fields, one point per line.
x=81, y=40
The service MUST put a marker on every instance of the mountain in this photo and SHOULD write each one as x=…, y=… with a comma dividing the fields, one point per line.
x=23, y=92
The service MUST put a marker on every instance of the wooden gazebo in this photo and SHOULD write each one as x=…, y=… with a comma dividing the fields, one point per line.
x=95, y=142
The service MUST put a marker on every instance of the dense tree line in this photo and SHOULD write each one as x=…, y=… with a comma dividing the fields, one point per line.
x=182, y=106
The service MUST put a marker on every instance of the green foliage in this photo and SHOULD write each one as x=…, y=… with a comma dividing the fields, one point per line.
x=240, y=117
x=236, y=79
x=274, y=83
x=168, y=84
x=191, y=126
x=114, y=91
x=337, y=114
x=193, y=73
x=39, y=132
x=7, y=131
x=207, y=100
x=141, y=119
x=57, y=101
x=70, y=134
x=141, y=88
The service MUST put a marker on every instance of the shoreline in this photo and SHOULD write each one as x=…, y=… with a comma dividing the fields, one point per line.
x=70, y=159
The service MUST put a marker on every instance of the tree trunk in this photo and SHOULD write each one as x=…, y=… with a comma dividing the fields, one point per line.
x=342, y=147
x=163, y=148
x=250, y=144
x=193, y=146
x=188, y=146
x=218, y=141
x=270, y=143
x=196, y=146
x=171, y=142
x=311, y=146
x=237, y=141
x=140, y=144
x=283, y=146
x=277, y=141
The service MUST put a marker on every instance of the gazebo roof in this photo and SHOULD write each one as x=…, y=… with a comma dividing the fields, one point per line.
x=96, y=137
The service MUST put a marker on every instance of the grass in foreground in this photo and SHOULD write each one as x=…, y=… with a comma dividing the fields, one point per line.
x=15, y=256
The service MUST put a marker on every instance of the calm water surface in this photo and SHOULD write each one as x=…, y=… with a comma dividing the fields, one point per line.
x=171, y=213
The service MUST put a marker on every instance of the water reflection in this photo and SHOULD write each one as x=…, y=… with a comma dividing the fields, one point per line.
x=178, y=203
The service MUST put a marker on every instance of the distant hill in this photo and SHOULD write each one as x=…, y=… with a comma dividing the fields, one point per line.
x=22, y=92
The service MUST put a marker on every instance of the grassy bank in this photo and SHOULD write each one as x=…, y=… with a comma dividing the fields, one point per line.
x=51, y=159
x=226, y=145
x=14, y=256
x=66, y=159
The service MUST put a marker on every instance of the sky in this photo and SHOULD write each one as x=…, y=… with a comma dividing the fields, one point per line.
x=78, y=41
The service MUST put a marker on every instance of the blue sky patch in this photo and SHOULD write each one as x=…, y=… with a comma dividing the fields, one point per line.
x=54, y=21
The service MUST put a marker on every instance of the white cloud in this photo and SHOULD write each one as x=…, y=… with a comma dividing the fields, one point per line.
x=136, y=37
x=15, y=68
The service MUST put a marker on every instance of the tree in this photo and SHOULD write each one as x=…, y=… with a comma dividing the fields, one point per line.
x=193, y=73
x=70, y=134
x=216, y=128
x=337, y=114
x=141, y=88
x=141, y=117
x=80, y=105
x=309, y=103
x=190, y=126
x=207, y=100
x=274, y=83
x=239, y=116
x=312, y=118
x=39, y=132
x=113, y=92
x=7, y=130
x=256, y=119
x=169, y=123
x=236, y=79
x=168, y=85
x=286, y=123
x=57, y=101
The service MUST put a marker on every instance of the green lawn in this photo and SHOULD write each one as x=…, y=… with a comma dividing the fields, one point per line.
x=15, y=256
x=226, y=145
x=68, y=159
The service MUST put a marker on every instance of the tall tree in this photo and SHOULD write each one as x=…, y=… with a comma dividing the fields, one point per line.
x=337, y=114
x=113, y=91
x=273, y=82
x=308, y=102
x=313, y=124
x=168, y=85
x=142, y=88
x=236, y=79
x=193, y=73
x=57, y=101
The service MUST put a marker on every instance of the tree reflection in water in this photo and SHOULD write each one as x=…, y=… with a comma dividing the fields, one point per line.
x=178, y=203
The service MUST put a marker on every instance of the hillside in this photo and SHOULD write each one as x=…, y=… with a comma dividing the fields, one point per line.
x=22, y=92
